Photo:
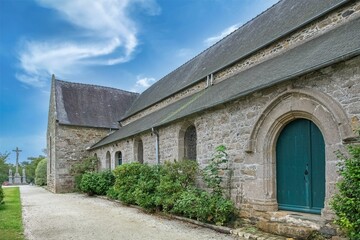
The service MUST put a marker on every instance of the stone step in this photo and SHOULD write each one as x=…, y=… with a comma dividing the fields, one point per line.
x=284, y=229
x=252, y=233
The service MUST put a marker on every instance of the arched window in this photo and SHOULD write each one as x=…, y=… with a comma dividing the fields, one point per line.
x=140, y=151
x=108, y=160
x=190, y=143
x=98, y=162
x=119, y=158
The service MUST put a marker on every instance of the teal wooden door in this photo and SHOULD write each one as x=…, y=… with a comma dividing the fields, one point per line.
x=300, y=167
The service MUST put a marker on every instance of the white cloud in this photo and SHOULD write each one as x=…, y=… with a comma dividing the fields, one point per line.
x=142, y=83
x=185, y=53
x=212, y=40
x=107, y=33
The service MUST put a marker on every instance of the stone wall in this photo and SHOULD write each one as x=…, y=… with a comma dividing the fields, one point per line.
x=128, y=148
x=248, y=127
x=71, y=143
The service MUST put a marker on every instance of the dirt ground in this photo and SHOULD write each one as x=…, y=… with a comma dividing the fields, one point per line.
x=51, y=216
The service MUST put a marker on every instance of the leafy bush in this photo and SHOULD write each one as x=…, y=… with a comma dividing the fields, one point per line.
x=346, y=203
x=203, y=206
x=1, y=195
x=170, y=187
x=40, y=173
x=88, y=164
x=97, y=182
x=126, y=179
x=174, y=179
x=112, y=193
x=146, y=187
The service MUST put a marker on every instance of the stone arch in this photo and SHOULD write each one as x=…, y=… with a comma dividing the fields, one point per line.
x=139, y=150
x=108, y=160
x=187, y=142
x=309, y=104
x=118, y=158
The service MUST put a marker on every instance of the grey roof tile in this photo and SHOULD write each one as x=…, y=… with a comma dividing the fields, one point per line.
x=337, y=45
x=274, y=23
x=89, y=105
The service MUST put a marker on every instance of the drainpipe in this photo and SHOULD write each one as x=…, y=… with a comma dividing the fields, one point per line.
x=154, y=131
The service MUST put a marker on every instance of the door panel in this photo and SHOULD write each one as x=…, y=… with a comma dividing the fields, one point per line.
x=300, y=167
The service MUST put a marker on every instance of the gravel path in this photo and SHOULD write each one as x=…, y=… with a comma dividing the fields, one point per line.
x=51, y=216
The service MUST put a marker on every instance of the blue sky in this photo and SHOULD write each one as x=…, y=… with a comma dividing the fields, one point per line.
x=126, y=44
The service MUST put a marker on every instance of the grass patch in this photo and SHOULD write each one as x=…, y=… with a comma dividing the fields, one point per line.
x=10, y=215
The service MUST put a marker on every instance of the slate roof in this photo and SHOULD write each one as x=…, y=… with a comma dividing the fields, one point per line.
x=89, y=105
x=337, y=45
x=276, y=22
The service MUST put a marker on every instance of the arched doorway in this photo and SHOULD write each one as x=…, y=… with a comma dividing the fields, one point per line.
x=300, y=167
x=190, y=143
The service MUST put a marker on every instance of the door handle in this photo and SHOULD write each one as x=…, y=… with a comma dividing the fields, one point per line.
x=306, y=173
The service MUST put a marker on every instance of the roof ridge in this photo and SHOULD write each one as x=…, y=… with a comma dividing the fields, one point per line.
x=94, y=85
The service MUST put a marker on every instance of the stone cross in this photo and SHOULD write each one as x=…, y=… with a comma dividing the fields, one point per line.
x=17, y=150
x=17, y=177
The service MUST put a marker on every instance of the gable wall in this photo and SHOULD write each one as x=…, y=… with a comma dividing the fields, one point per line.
x=70, y=144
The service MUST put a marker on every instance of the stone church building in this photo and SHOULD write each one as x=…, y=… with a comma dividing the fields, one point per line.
x=282, y=93
x=79, y=116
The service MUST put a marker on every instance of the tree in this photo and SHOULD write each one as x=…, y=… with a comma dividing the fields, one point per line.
x=40, y=173
x=30, y=167
x=4, y=167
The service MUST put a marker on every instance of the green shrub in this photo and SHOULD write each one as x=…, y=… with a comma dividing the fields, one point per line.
x=146, y=187
x=346, y=203
x=112, y=193
x=189, y=202
x=126, y=179
x=97, y=182
x=170, y=187
x=174, y=179
x=203, y=206
x=88, y=164
x=1, y=195
x=40, y=173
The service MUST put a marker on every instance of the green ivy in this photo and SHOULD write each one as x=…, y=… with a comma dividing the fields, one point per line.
x=211, y=172
x=346, y=203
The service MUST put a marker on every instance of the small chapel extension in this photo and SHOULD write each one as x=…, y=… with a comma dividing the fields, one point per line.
x=79, y=116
